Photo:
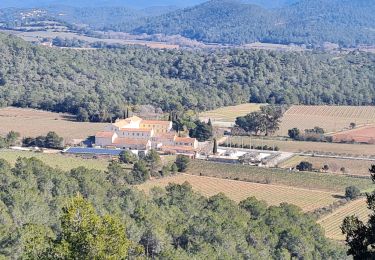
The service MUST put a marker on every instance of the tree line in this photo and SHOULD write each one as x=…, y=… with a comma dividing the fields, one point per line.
x=98, y=85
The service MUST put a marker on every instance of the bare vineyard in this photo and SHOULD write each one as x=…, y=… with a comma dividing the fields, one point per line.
x=333, y=222
x=32, y=122
x=330, y=118
x=308, y=200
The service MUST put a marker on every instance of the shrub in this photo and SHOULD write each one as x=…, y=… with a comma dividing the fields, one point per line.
x=352, y=192
x=305, y=166
x=182, y=162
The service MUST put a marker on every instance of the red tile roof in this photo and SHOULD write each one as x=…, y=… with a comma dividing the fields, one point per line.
x=104, y=134
x=184, y=139
x=155, y=122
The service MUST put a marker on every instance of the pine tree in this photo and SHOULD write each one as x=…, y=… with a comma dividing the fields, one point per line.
x=360, y=237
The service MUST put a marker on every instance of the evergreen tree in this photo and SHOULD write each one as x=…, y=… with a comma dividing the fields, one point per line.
x=360, y=236
x=215, y=147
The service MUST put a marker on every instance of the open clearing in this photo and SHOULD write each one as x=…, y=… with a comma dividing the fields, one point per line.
x=332, y=222
x=60, y=161
x=330, y=118
x=363, y=150
x=308, y=180
x=352, y=167
x=32, y=122
x=364, y=134
x=308, y=200
x=226, y=116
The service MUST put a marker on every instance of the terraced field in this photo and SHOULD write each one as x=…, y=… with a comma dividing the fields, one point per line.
x=308, y=200
x=332, y=222
x=330, y=118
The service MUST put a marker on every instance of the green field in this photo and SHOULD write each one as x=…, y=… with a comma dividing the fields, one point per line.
x=307, y=180
x=63, y=162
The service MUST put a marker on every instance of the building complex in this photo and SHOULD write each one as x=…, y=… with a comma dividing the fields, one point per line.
x=135, y=133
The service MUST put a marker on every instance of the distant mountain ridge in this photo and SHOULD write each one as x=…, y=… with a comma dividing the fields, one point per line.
x=129, y=3
x=310, y=22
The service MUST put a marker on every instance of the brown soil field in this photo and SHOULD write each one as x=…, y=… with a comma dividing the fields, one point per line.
x=352, y=167
x=307, y=200
x=32, y=122
x=316, y=147
x=364, y=134
x=332, y=222
x=330, y=118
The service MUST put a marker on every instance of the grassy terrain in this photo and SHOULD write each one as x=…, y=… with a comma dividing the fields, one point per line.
x=225, y=116
x=63, y=162
x=31, y=122
x=308, y=180
x=333, y=221
x=308, y=200
x=330, y=118
x=353, y=167
x=299, y=146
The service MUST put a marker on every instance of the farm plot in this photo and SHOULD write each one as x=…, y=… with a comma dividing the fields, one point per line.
x=307, y=200
x=360, y=135
x=307, y=180
x=60, y=161
x=356, y=150
x=341, y=166
x=333, y=221
x=330, y=118
x=32, y=122
x=226, y=116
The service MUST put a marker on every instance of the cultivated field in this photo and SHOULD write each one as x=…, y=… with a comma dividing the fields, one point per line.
x=330, y=118
x=308, y=200
x=332, y=222
x=63, y=162
x=352, y=167
x=363, y=150
x=31, y=122
x=226, y=116
x=34, y=36
x=308, y=180
x=364, y=134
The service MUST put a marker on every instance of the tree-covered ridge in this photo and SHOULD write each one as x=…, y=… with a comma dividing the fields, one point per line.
x=97, y=84
x=311, y=22
x=175, y=223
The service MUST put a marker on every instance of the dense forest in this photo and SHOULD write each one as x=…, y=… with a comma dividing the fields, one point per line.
x=171, y=223
x=97, y=84
x=311, y=22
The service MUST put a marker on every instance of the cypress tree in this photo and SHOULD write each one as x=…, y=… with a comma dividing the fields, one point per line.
x=215, y=146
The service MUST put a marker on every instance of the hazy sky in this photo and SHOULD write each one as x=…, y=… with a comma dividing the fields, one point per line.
x=132, y=3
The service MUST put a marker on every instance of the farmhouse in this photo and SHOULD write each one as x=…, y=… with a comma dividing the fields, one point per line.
x=134, y=133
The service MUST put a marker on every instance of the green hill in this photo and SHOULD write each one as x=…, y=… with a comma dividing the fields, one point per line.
x=311, y=22
x=95, y=84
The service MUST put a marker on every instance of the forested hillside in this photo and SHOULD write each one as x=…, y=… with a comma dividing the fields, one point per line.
x=311, y=22
x=39, y=220
x=97, y=84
